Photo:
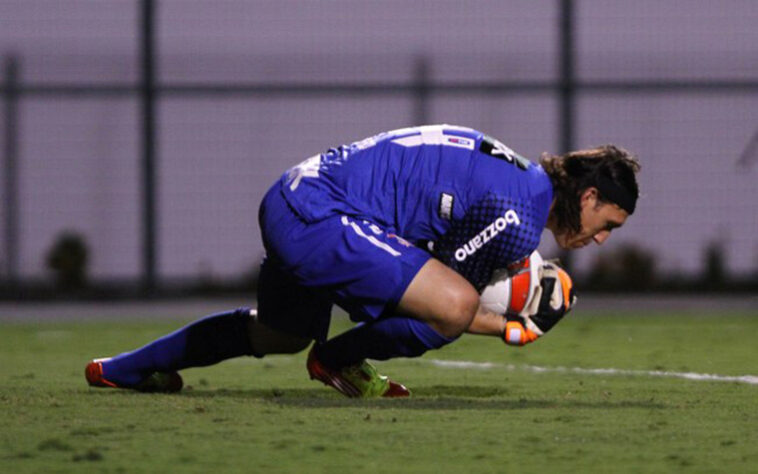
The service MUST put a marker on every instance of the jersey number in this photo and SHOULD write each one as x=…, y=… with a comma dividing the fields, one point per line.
x=497, y=149
x=306, y=169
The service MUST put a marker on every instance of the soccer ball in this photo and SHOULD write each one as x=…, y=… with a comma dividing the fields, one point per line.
x=511, y=290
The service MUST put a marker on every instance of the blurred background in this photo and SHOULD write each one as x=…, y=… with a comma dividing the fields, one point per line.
x=137, y=137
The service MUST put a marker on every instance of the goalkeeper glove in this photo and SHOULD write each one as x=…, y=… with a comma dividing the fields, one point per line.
x=552, y=300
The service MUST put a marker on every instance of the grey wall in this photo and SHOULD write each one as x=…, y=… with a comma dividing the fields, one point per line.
x=217, y=155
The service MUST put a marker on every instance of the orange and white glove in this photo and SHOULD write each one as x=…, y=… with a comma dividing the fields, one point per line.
x=551, y=301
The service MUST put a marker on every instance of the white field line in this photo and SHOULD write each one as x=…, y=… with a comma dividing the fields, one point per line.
x=463, y=364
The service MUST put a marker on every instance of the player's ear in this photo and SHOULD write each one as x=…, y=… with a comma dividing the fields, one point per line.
x=589, y=195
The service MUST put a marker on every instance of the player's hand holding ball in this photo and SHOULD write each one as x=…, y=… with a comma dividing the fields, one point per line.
x=532, y=298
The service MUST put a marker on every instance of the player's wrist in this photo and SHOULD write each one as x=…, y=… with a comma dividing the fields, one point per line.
x=487, y=323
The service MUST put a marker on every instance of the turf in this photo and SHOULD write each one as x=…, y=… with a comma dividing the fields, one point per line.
x=249, y=415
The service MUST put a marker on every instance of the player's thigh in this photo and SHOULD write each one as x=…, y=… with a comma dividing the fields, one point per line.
x=374, y=268
x=441, y=297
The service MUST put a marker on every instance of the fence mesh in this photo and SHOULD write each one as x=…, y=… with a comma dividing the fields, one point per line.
x=247, y=89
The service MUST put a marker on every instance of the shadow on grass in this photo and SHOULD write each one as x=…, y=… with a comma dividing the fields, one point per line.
x=437, y=397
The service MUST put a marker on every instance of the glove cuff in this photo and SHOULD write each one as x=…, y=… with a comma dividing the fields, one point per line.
x=517, y=335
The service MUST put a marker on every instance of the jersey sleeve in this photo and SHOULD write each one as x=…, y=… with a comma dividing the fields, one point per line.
x=495, y=232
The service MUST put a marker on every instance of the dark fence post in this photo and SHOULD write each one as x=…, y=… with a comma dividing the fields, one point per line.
x=567, y=79
x=421, y=86
x=567, y=90
x=10, y=155
x=750, y=152
x=148, y=136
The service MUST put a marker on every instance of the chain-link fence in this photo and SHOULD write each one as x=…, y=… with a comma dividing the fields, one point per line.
x=148, y=130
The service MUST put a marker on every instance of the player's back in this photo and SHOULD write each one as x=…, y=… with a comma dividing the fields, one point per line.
x=386, y=178
x=413, y=181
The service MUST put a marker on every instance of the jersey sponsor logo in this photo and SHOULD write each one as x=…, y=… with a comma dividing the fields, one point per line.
x=461, y=141
x=487, y=234
x=445, y=209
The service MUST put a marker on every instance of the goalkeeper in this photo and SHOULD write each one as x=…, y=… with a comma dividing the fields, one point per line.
x=401, y=230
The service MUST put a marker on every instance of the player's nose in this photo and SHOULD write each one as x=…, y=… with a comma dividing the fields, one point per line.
x=601, y=237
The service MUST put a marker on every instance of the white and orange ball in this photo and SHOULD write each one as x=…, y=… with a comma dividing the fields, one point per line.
x=511, y=290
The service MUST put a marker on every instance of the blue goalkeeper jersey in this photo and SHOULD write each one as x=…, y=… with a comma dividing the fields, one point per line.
x=470, y=200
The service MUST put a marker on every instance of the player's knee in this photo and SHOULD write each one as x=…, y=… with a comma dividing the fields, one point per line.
x=265, y=340
x=459, y=310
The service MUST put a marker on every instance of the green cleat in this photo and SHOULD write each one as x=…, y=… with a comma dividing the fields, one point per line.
x=356, y=381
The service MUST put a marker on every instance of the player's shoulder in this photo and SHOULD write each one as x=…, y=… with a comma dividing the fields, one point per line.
x=540, y=180
x=439, y=134
x=434, y=129
x=537, y=189
x=514, y=179
x=510, y=169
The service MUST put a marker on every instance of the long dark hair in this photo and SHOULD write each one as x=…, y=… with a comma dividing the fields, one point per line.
x=574, y=172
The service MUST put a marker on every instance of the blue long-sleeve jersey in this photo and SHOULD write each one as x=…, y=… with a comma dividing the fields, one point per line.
x=469, y=199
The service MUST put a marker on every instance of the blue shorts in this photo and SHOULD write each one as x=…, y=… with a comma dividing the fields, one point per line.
x=339, y=260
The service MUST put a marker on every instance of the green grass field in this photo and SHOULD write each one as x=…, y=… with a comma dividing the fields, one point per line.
x=248, y=415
